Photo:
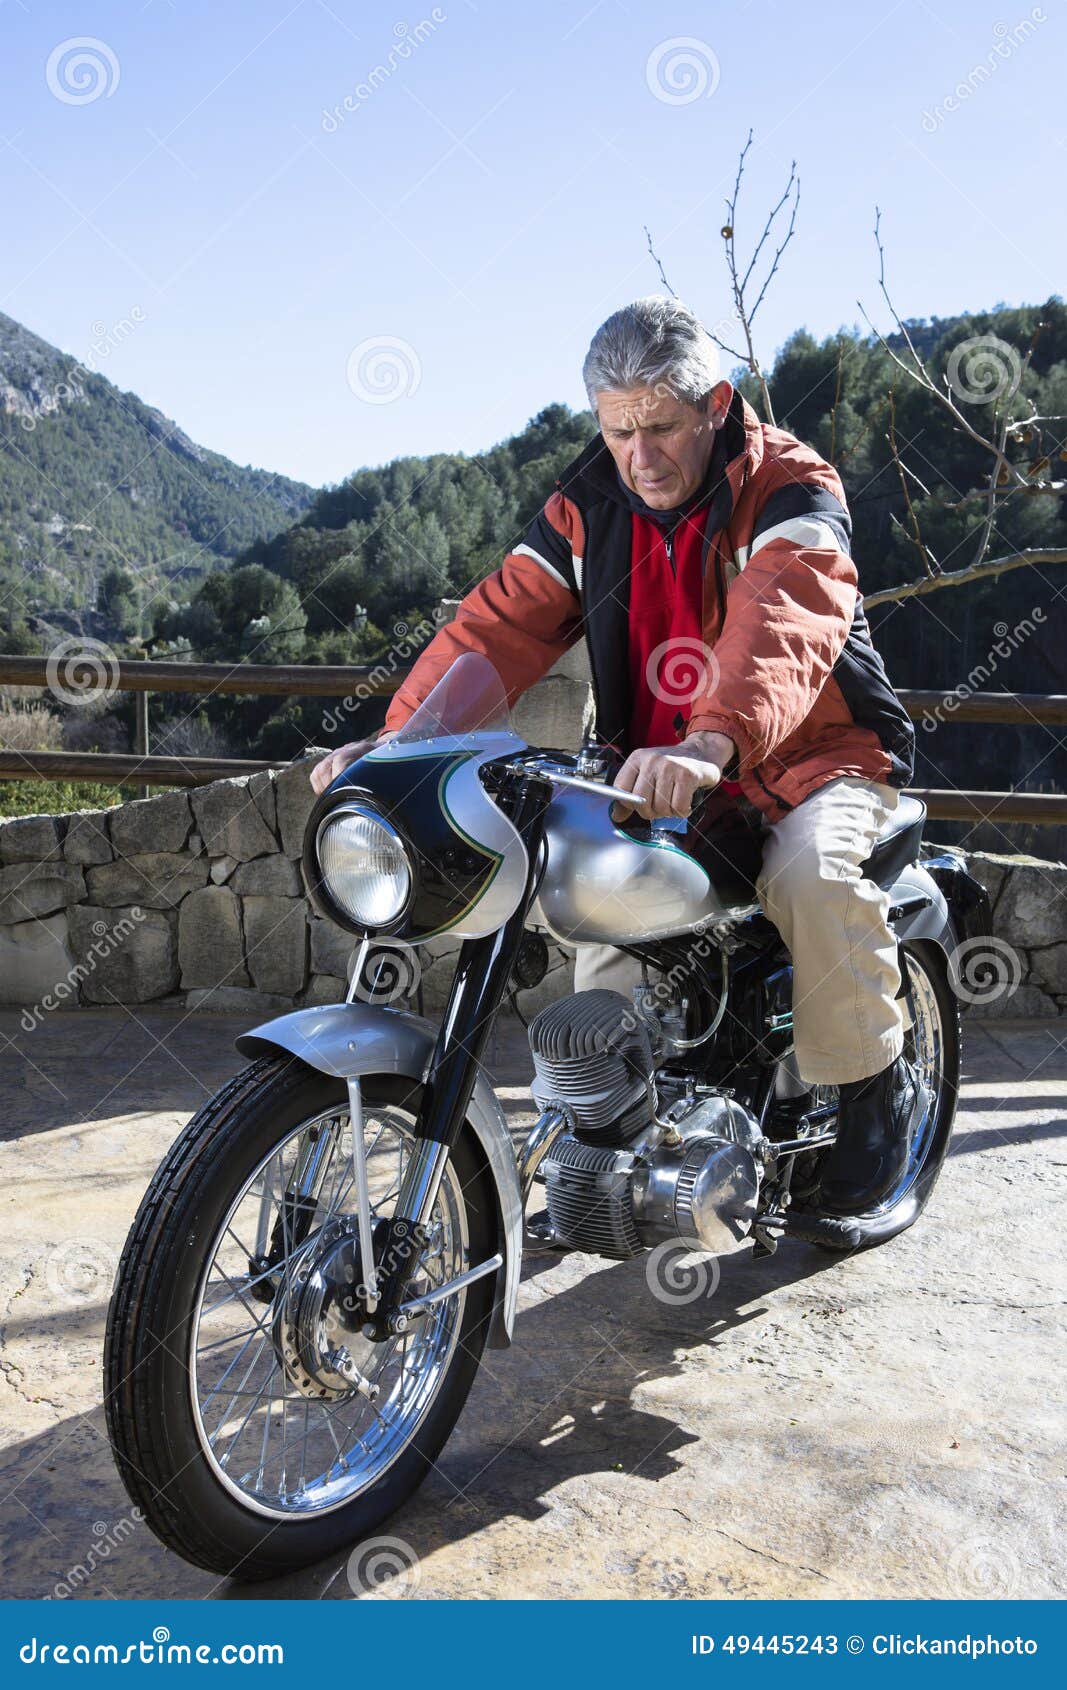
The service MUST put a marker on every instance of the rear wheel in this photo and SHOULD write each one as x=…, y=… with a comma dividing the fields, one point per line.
x=932, y=1044
x=252, y=1427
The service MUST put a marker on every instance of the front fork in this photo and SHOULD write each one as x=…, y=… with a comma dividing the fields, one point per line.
x=482, y=973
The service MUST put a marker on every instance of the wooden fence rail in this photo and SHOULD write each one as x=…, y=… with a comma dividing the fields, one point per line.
x=359, y=682
x=380, y=680
x=276, y=680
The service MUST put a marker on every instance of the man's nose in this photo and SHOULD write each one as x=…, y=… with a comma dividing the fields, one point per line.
x=644, y=452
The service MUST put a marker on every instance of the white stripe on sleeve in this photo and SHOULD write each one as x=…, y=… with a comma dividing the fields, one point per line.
x=550, y=569
x=802, y=530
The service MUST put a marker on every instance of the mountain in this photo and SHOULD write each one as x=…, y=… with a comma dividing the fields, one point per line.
x=396, y=539
x=92, y=478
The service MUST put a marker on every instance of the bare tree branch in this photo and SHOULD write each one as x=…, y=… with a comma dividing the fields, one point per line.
x=794, y=185
x=658, y=262
x=739, y=284
x=1006, y=477
x=973, y=572
x=913, y=532
x=835, y=456
x=1005, y=473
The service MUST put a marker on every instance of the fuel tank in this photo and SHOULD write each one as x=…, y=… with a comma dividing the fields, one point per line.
x=604, y=884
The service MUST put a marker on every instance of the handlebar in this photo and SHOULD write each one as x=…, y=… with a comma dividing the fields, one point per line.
x=581, y=784
x=615, y=794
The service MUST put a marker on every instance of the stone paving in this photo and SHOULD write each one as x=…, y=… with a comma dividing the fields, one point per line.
x=886, y=1425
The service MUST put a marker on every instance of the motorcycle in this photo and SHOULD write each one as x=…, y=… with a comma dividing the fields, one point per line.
x=304, y=1297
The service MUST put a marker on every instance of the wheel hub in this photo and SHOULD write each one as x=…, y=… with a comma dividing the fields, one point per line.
x=318, y=1313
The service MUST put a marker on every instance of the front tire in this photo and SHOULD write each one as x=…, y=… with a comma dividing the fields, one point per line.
x=242, y=1460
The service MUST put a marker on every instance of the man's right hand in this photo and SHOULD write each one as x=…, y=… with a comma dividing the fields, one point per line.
x=333, y=765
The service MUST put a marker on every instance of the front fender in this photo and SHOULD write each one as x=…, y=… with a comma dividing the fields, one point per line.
x=349, y=1039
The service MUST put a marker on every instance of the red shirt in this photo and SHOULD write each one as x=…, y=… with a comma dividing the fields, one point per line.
x=667, y=655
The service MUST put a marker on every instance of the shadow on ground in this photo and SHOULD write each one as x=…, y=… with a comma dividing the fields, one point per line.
x=872, y=1426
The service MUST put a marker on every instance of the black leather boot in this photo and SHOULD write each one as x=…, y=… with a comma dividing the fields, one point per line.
x=874, y=1126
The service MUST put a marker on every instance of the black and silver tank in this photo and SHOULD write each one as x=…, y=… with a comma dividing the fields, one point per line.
x=607, y=884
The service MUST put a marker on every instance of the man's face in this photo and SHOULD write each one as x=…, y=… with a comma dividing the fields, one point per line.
x=661, y=445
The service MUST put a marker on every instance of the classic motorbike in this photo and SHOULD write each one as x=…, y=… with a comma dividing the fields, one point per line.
x=307, y=1288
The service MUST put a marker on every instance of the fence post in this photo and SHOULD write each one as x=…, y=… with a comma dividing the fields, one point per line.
x=140, y=744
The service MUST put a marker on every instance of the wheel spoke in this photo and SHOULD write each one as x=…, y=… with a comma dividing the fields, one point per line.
x=219, y=1342
x=244, y=1380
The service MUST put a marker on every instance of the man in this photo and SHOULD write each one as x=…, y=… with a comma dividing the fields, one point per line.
x=688, y=536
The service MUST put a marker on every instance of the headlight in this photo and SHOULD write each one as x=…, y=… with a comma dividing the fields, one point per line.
x=364, y=866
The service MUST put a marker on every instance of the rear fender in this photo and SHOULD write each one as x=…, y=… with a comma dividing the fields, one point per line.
x=918, y=909
x=967, y=898
x=349, y=1039
x=938, y=899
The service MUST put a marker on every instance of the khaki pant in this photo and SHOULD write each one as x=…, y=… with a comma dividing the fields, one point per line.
x=847, y=1018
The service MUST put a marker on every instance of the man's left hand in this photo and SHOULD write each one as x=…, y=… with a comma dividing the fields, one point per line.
x=665, y=778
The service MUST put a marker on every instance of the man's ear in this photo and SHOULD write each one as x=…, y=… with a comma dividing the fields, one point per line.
x=719, y=402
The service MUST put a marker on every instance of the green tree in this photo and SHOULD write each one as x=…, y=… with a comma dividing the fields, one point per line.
x=119, y=600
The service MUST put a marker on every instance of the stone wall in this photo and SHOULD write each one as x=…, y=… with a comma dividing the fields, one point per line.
x=1029, y=899
x=195, y=899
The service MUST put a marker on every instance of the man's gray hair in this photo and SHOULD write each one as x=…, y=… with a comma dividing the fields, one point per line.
x=656, y=340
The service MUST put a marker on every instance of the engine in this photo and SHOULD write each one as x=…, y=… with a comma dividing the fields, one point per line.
x=620, y=1180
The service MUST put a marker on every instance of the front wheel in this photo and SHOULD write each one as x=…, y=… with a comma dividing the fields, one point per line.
x=253, y=1427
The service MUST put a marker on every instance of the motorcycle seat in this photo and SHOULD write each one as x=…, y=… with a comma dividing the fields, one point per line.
x=898, y=843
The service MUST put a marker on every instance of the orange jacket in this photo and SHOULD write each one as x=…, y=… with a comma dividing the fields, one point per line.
x=795, y=680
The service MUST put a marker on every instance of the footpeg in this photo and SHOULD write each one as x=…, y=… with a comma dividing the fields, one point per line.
x=540, y=1229
x=824, y=1229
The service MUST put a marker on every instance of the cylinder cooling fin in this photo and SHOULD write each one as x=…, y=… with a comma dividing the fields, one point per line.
x=592, y=1052
x=588, y=1194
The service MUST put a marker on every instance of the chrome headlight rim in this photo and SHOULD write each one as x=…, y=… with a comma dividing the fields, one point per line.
x=325, y=897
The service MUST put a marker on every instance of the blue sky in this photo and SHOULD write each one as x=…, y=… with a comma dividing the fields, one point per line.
x=482, y=198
